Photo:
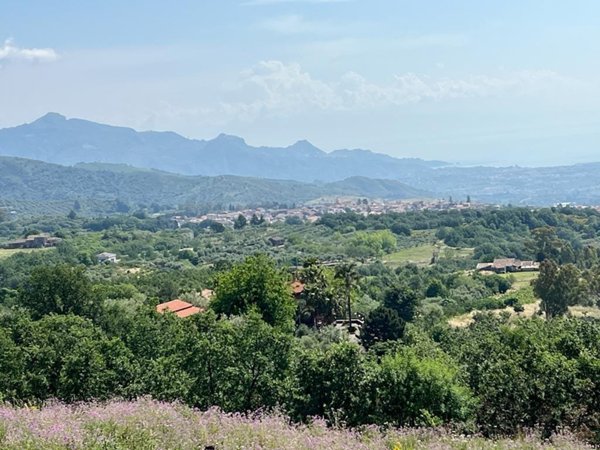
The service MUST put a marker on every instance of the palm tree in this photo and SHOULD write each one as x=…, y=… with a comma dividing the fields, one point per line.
x=347, y=273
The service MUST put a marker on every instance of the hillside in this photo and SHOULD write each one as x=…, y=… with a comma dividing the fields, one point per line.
x=56, y=139
x=43, y=187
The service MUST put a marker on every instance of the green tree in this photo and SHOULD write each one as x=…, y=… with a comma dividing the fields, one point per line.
x=255, y=220
x=60, y=289
x=68, y=358
x=381, y=325
x=11, y=367
x=558, y=287
x=545, y=244
x=334, y=384
x=403, y=300
x=255, y=284
x=417, y=389
x=319, y=299
x=240, y=222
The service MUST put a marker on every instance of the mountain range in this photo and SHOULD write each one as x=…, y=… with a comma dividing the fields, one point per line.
x=54, y=138
x=75, y=142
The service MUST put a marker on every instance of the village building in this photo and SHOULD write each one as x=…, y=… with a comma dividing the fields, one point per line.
x=207, y=294
x=179, y=307
x=507, y=265
x=277, y=241
x=33, y=241
x=106, y=257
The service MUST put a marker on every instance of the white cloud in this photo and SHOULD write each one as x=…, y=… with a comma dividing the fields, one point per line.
x=10, y=52
x=273, y=87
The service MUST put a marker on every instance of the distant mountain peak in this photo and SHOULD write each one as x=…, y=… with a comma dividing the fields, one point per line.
x=306, y=148
x=50, y=118
x=229, y=139
x=56, y=139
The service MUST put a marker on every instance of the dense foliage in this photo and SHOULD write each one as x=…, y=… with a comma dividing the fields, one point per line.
x=74, y=329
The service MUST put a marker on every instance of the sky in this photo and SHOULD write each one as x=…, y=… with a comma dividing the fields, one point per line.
x=513, y=82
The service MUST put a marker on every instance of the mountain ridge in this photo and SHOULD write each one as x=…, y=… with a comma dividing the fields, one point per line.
x=55, y=139
x=67, y=141
x=26, y=182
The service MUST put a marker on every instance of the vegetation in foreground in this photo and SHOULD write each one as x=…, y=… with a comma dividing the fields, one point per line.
x=75, y=330
x=146, y=424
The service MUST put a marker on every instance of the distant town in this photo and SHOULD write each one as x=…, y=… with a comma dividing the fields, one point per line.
x=312, y=211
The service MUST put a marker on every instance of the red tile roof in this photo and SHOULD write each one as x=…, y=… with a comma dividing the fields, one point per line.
x=179, y=307
x=188, y=311
x=297, y=287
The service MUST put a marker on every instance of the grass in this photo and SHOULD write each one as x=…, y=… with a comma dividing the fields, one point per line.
x=422, y=254
x=147, y=424
x=5, y=252
x=521, y=279
x=585, y=311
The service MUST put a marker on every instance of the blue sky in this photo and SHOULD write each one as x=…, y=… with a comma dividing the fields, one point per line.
x=511, y=82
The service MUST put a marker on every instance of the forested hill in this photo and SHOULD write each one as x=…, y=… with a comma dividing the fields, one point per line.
x=44, y=187
x=56, y=139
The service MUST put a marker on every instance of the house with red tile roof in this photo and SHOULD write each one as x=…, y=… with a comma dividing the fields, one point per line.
x=179, y=307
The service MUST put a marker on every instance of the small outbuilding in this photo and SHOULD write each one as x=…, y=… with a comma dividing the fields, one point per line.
x=106, y=257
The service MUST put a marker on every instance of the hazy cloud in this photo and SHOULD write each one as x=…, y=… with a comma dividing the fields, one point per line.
x=10, y=52
x=274, y=87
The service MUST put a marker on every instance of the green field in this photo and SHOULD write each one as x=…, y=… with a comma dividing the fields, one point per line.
x=5, y=253
x=522, y=279
x=422, y=254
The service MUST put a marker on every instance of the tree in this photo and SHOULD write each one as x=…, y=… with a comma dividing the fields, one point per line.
x=255, y=284
x=255, y=220
x=558, y=287
x=403, y=300
x=349, y=276
x=547, y=245
x=11, y=367
x=318, y=299
x=59, y=289
x=333, y=384
x=240, y=222
x=421, y=389
x=72, y=215
x=69, y=358
x=216, y=227
x=121, y=206
x=382, y=324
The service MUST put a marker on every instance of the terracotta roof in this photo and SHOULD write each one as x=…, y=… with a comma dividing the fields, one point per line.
x=179, y=307
x=188, y=311
x=297, y=287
